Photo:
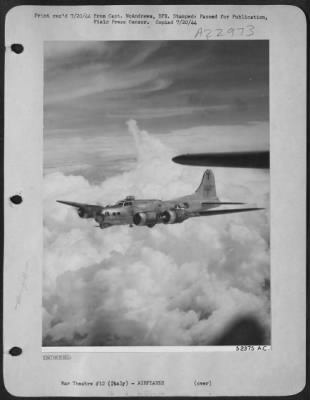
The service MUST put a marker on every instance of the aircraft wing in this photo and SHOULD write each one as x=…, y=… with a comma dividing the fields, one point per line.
x=238, y=159
x=79, y=205
x=233, y=210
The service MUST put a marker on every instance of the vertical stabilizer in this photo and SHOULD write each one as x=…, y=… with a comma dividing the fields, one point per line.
x=207, y=189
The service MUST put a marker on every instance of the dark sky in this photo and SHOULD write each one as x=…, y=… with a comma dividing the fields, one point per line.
x=164, y=85
x=93, y=88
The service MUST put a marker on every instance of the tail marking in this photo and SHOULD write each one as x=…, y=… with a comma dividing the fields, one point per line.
x=207, y=188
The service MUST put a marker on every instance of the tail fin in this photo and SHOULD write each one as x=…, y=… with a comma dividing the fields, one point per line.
x=207, y=188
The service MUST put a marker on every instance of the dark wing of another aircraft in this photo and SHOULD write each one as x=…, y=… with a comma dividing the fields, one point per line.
x=233, y=210
x=239, y=159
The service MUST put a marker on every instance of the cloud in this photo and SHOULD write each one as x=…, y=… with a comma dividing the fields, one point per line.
x=219, y=138
x=180, y=284
x=98, y=156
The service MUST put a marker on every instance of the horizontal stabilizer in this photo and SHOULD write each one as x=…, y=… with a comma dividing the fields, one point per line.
x=220, y=203
x=234, y=210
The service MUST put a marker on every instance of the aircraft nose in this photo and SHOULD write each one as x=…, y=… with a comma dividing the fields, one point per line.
x=99, y=218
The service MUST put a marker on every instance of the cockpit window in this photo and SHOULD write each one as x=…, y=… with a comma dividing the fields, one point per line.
x=182, y=205
x=128, y=203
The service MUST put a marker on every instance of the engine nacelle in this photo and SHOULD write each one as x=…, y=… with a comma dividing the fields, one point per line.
x=84, y=212
x=173, y=216
x=145, y=218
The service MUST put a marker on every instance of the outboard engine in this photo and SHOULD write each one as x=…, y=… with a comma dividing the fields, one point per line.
x=84, y=212
x=81, y=212
x=145, y=218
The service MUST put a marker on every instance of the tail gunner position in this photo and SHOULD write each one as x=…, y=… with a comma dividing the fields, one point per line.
x=149, y=212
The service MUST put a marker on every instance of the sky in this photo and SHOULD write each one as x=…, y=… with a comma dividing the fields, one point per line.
x=115, y=113
x=196, y=95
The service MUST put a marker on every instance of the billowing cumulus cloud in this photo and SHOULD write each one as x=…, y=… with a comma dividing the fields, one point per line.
x=181, y=284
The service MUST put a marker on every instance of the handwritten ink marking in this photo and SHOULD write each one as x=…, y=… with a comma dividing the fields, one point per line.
x=207, y=33
x=220, y=32
x=251, y=30
x=241, y=31
x=22, y=288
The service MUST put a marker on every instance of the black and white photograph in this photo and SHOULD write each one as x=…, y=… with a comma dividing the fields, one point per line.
x=155, y=201
x=156, y=193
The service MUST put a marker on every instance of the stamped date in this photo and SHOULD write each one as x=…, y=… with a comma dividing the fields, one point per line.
x=206, y=33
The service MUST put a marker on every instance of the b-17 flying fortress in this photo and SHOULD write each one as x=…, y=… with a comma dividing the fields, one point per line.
x=150, y=212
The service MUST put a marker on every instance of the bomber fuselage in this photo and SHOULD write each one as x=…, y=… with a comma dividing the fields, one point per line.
x=148, y=212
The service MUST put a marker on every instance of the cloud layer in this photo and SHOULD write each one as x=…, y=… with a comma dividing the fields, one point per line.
x=181, y=284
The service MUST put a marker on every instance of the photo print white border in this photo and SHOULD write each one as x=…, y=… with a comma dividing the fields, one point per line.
x=281, y=369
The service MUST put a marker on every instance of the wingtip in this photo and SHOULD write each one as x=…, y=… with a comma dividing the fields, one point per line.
x=67, y=203
x=179, y=159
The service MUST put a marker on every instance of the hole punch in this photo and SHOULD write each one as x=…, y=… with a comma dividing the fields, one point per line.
x=15, y=351
x=17, y=48
x=16, y=199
